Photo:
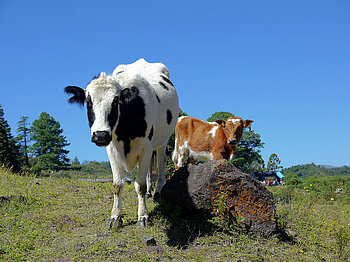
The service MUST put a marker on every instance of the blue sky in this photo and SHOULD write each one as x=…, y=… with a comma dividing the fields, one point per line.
x=283, y=64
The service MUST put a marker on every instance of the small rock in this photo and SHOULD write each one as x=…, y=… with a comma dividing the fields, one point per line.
x=61, y=260
x=292, y=233
x=154, y=250
x=103, y=234
x=78, y=246
x=121, y=243
x=4, y=199
x=62, y=220
x=149, y=241
x=93, y=187
x=76, y=190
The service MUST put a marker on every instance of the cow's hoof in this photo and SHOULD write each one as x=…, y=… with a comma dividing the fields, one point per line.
x=115, y=222
x=143, y=222
x=156, y=197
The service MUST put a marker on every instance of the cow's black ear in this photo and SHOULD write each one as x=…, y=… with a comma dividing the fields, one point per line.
x=221, y=122
x=78, y=95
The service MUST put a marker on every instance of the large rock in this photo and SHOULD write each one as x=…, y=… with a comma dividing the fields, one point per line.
x=218, y=188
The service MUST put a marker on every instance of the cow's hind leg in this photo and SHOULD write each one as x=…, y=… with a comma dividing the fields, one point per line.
x=149, y=176
x=141, y=187
x=162, y=160
x=118, y=185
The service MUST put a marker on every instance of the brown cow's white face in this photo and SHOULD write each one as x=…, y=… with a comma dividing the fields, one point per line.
x=233, y=128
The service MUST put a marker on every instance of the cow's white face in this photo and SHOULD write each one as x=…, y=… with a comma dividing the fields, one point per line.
x=233, y=128
x=102, y=97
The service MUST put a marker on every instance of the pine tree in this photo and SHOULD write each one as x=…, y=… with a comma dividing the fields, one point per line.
x=48, y=143
x=75, y=162
x=9, y=150
x=274, y=163
x=23, y=137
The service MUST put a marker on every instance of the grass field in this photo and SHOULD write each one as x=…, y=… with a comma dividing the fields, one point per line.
x=65, y=219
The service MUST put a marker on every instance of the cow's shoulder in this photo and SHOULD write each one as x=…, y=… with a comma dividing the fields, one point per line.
x=132, y=119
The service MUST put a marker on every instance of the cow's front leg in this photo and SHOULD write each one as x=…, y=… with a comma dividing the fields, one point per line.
x=141, y=188
x=118, y=185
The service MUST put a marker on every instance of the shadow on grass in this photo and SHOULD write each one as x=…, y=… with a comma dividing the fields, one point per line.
x=283, y=236
x=182, y=228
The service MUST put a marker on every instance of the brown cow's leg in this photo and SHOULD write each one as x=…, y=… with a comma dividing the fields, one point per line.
x=218, y=155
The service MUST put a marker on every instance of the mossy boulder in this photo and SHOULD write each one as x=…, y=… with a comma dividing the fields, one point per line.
x=217, y=188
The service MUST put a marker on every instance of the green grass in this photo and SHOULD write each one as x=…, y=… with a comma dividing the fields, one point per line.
x=43, y=219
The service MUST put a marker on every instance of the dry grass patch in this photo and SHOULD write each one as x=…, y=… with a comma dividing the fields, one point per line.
x=45, y=219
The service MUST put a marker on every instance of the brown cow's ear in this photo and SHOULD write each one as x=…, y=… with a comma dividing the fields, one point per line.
x=246, y=124
x=221, y=122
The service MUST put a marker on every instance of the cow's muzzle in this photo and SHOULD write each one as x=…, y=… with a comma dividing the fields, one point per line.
x=232, y=142
x=101, y=138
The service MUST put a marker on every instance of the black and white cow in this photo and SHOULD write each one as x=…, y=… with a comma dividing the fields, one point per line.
x=133, y=113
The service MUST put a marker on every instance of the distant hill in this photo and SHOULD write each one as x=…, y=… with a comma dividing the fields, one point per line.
x=316, y=170
x=328, y=166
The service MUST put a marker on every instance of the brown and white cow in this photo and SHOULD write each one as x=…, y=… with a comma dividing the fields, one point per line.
x=201, y=140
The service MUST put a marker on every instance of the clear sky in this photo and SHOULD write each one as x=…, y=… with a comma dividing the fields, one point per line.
x=283, y=64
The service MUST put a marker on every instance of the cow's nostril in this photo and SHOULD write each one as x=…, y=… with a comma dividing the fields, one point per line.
x=232, y=141
x=101, y=138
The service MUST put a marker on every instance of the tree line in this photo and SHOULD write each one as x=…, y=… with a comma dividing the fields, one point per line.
x=40, y=146
x=309, y=170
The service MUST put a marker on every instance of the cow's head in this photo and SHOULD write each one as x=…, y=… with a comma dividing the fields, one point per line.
x=101, y=97
x=233, y=129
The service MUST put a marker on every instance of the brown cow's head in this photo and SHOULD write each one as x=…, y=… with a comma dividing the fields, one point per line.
x=233, y=129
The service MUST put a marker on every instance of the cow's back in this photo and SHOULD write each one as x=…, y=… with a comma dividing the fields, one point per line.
x=198, y=134
x=159, y=94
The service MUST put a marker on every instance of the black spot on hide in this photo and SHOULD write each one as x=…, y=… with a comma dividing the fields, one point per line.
x=150, y=134
x=164, y=86
x=119, y=72
x=78, y=95
x=166, y=80
x=158, y=98
x=113, y=115
x=169, y=116
x=90, y=111
x=132, y=123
